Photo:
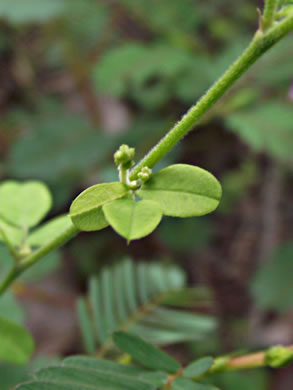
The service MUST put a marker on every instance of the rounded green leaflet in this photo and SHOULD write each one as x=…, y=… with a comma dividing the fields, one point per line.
x=183, y=191
x=131, y=219
x=16, y=344
x=86, y=210
x=24, y=204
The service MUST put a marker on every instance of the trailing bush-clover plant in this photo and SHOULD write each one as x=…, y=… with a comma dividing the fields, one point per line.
x=133, y=207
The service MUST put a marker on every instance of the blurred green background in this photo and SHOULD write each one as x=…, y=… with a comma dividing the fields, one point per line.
x=80, y=77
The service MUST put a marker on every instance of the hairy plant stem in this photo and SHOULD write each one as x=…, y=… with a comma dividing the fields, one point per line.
x=269, y=14
x=261, y=42
x=37, y=255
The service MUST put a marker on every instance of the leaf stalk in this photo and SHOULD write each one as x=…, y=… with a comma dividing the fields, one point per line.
x=36, y=256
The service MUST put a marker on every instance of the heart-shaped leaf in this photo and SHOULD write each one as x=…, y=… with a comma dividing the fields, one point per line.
x=183, y=191
x=131, y=219
x=49, y=230
x=24, y=204
x=145, y=353
x=86, y=210
x=16, y=344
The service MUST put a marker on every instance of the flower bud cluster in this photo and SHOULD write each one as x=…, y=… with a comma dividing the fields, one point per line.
x=144, y=174
x=124, y=157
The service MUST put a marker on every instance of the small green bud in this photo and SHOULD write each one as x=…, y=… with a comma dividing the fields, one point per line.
x=145, y=174
x=278, y=356
x=133, y=185
x=124, y=156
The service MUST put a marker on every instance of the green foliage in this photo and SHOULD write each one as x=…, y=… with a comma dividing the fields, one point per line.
x=183, y=191
x=145, y=353
x=16, y=344
x=24, y=204
x=179, y=190
x=175, y=17
x=140, y=299
x=186, y=384
x=272, y=283
x=86, y=210
x=266, y=128
x=48, y=231
x=18, y=12
x=131, y=219
x=57, y=151
x=11, y=233
x=247, y=380
x=84, y=24
x=84, y=372
x=146, y=73
x=12, y=374
x=198, y=368
x=58, y=47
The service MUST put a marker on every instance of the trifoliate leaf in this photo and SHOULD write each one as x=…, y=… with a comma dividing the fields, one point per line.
x=183, y=191
x=86, y=210
x=24, y=204
x=145, y=353
x=131, y=219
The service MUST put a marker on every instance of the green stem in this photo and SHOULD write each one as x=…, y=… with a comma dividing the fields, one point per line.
x=259, y=45
x=123, y=174
x=246, y=362
x=30, y=260
x=269, y=14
